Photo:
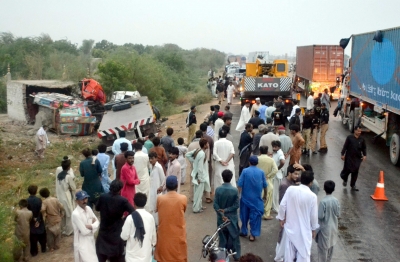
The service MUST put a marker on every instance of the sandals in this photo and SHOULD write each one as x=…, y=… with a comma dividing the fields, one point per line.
x=209, y=200
x=252, y=238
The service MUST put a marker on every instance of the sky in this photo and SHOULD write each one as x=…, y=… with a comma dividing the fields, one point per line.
x=231, y=26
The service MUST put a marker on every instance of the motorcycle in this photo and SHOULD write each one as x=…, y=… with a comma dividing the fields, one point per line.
x=210, y=247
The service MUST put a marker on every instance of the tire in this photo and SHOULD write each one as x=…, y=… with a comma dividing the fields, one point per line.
x=157, y=113
x=121, y=106
x=109, y=105
x=350, y=122
x=394, y=151
x=133, y=101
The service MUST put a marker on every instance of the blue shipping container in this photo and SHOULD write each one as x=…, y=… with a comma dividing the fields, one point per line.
x=375, y=69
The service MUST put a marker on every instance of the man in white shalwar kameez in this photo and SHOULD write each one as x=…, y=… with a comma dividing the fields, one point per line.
x=136, y=251
x=199, y=175
x=244, y=117
x=217, y=125
x=298, y=215
x=223, y=154
x=65, y=192
x=41, y=141
x=229, y=92
x=141, y=164
x=157, y=178
x=85, y=224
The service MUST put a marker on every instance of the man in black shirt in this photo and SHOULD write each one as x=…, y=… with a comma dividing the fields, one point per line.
x=277, y=116
x=246, y=139
x=314, y=132
x=220, y=91
x=324, y=128
x=214, y=117
x=191, y=123
x=295, y=119
x=306, y=132
x=354, y=152
x=37, y=229
x=256, y=120
x=112, y=207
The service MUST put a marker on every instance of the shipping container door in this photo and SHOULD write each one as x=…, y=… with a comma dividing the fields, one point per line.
x=335, y=66
x=321, y=57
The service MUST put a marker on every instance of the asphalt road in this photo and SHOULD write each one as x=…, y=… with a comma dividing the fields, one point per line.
x=369, y=230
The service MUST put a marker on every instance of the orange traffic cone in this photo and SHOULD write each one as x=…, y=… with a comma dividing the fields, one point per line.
x=380, y=189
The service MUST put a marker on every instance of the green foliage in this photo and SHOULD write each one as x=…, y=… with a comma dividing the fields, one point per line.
x=167, y=74
x=3, y=96
x=5, y=241
x=87, y=46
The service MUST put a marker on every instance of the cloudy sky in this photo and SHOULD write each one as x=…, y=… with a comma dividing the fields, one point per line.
x=234, y=26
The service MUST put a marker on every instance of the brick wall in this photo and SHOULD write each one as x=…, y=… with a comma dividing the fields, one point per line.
x=16, y=101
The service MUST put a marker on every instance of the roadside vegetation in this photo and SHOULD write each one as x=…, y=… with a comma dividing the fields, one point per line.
x=167, y=74
x=21, y=168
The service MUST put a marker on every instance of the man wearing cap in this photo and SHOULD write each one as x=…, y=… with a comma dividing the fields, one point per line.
x=256, y=120
x=251, y=185
x=244, y=117
x=85, y=225
x=191, y=123
x=218, y=124
x=255, y=107
x=171, y=234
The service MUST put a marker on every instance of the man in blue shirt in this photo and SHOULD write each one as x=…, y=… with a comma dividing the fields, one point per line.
x=262, y=110
x=251, y=184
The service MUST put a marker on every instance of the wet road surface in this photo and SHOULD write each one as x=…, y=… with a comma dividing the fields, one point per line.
x=368, y=230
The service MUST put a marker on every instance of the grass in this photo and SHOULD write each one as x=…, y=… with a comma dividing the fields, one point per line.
x=21, y=168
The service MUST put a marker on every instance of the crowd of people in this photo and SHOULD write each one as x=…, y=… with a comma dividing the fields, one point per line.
x=141, y=207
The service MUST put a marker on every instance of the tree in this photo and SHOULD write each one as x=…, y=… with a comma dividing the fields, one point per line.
x=66, y=47
x=87, y=46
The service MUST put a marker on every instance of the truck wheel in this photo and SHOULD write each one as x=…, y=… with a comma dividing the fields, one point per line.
x=109, y=105
x=121, y=106
x=394, y=150
x=350, y=122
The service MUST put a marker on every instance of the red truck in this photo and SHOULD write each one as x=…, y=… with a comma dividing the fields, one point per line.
x=319, y=67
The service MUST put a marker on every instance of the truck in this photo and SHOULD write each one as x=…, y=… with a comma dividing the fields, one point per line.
x=267, y=81
x=319, y=67
x=371, y=87
x=129, y=112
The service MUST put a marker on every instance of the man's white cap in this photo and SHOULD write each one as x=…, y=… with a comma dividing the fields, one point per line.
x=258, y=98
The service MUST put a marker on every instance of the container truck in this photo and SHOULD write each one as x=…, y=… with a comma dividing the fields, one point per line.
x=371, y=87
x=319, y=67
